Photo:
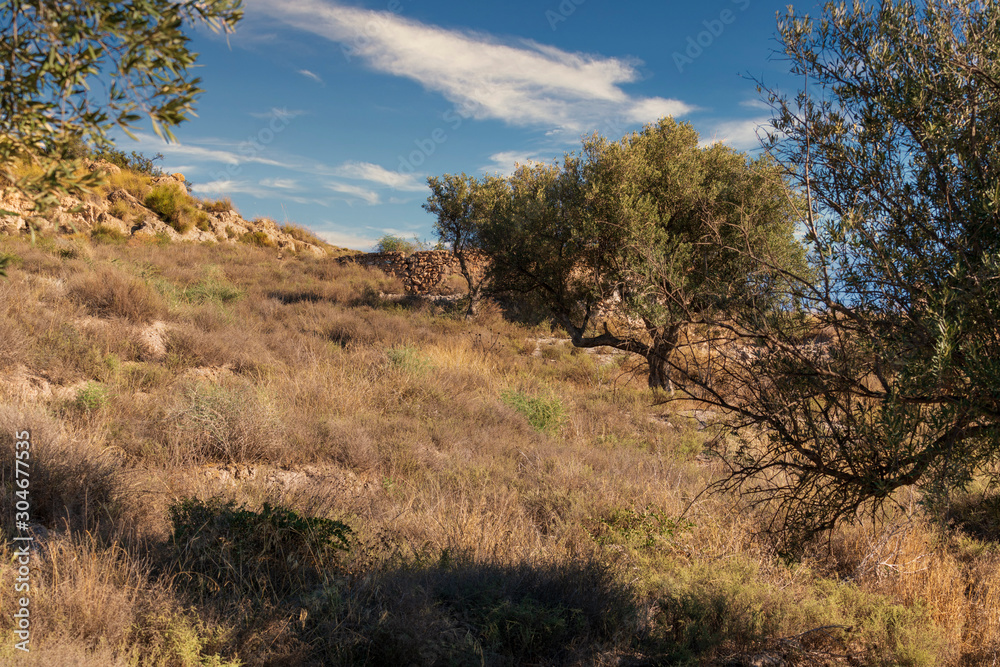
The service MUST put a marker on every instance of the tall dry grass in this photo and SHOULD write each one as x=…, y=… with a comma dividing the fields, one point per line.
x=506, y=508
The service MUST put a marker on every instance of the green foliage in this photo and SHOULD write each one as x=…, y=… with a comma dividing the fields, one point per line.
x=105, y=234
x=75, y=71
x=219, y=205
x=392, y=243
x=258, y=238
x=544, y=414
x=134, y=162
x=91, y=398
x=646, y=230
x=274, y=552
x=898, y=142
x=409, y=359
x=4, y=263
x=171, y=204
x=645, y=528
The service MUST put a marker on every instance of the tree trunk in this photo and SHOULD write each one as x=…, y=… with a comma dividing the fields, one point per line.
x=658, y=357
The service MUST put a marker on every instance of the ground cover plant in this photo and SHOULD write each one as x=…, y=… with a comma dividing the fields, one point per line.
x=257, y=460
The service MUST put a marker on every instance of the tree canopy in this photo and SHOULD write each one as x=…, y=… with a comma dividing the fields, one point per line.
x=70, y=72
x=896, y=139
x=628, y=241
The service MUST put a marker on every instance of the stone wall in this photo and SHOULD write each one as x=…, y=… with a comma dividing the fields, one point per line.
x=422, y=272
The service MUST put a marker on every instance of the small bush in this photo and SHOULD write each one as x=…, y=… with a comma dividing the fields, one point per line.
x=91, y=398
x=392, y=243
x=259, y=239
x=134, y=162
x=544, y=414
x=219, y=205
x=168, y=202
x=105, y=234
x=227, y=422
x=408, y=359
x=111, y=293
x=272, y=553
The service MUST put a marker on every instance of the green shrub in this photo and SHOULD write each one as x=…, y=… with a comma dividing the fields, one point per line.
x=393, y=243
x=105, y=234
x=219, y=205
x=272, y=553
x=134, y=162
x=408, y=359
x=91, y=398
x=544, y=414
x=167, y=201
x=259, y=239
x=643, y=529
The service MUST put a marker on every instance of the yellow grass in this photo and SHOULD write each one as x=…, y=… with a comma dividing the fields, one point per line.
x=478, y=536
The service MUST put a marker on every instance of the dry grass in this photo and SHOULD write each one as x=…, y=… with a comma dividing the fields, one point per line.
x=506, y=508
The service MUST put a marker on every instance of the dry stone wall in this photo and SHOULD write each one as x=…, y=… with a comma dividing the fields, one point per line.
x=422, y=272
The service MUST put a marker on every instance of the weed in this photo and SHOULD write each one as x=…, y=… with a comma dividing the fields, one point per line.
x=91, y=398
x=258, y=238
x=645, y=528
x=105, y=234
x=274, y=552
x=544, y=414
x=219, y=205
x=408, y=359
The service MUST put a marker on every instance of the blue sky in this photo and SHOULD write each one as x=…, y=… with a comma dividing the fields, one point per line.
x=332, y=114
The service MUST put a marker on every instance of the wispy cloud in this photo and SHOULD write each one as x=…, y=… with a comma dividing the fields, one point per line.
x=740, y=134
x=523, y=83
x=505, y=161
x=281, y=183
x=211, y=151
x=346, y=239
x=226, y=187
x=354, y=192
x=311, y=75
x=275, y=113
x=366, y=171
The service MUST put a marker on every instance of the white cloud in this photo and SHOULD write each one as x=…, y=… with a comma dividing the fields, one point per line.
x=225, y=153
x=654, y=108
x=523, y=83
x=740, y=134
x=281, y=183
x=366, y=171
x=225, y=187
x=755, y=104
x=354, y=192
x=505, y=161
x=279, y=114
x=311, y=75
x=347, y=239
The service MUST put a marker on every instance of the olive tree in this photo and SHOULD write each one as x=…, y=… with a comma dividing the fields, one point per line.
x=460, y=202
x=71, y=71
x=892, y=379
x=629, y=243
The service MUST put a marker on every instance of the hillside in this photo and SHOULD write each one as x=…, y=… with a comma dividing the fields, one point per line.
x=247, y=454
x=132, y=203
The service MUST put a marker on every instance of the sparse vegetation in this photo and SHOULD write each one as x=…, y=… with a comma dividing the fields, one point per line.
x=502, y=506
x=394, y=243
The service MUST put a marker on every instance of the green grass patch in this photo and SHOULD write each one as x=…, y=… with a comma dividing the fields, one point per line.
x=544, y=414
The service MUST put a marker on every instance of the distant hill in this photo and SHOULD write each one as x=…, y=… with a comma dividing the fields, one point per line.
x=135, y=204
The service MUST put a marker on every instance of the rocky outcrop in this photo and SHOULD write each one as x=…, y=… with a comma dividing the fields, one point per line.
x=73, y=216
x=422, y=272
